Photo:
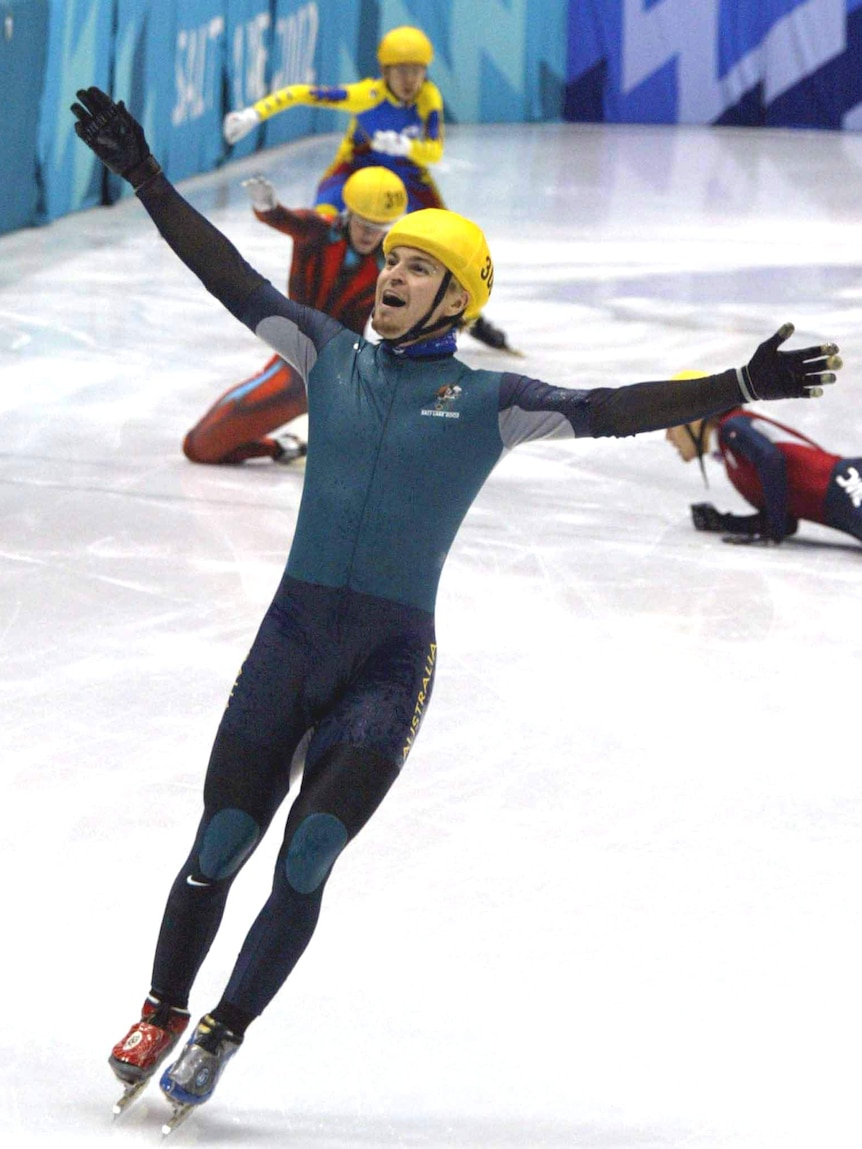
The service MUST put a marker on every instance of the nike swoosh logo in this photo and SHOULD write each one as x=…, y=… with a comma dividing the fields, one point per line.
x=190, y=881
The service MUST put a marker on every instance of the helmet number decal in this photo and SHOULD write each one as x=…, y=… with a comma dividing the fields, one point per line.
x=487, y=273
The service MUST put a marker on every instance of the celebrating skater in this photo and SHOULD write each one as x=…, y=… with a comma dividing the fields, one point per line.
x=402, y=436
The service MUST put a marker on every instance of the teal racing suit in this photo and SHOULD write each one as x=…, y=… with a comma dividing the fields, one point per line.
x=399, y=446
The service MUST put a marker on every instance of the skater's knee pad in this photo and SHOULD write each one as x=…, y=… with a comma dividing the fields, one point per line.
x=227, y=841
x=318, y=841
x=193, y=450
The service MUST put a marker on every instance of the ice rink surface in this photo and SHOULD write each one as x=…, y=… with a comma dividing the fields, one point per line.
x=613, y=902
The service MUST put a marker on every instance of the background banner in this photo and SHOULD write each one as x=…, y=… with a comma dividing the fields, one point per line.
x=181, y=64
x=783, y=63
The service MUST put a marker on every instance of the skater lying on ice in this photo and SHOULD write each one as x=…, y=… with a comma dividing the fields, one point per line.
x=782, y=473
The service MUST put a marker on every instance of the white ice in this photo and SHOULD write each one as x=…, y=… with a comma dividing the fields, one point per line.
x=613, y=902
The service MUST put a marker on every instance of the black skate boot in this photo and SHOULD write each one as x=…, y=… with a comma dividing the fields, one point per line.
x=491, y=336
x=191, y=1080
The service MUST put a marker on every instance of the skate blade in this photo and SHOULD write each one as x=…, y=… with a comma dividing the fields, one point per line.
x=180, y=1112
x=130, y=1094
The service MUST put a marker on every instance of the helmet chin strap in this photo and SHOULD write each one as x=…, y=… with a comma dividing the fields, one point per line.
x=699, y=440
x=419, y=330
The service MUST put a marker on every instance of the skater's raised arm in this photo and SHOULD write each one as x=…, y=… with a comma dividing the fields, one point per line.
x=118, y=140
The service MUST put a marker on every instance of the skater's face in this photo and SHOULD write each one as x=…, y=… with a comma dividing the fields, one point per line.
x=685, y=440
x=406, y=288
x=404, y=81
x=364, y=235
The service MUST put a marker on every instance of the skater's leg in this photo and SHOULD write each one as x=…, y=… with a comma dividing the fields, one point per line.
x=339, y=794
x=237, y=427
x=355, y=755
x=268, y=713
x=246, y=782
x=247, y=778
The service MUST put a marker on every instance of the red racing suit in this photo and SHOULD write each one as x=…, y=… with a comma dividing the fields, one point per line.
x=788, y=476
x=325, y=273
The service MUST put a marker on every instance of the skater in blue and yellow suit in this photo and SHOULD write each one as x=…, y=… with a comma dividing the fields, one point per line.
x=396, y=122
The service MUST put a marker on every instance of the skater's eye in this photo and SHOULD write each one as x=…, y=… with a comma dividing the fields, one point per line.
x=422, y=267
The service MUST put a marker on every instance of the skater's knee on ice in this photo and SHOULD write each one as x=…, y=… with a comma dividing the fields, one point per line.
x=197, y=450
x=318, y=841
x=229, y=838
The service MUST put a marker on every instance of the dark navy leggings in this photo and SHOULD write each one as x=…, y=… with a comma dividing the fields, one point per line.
x=350, y=677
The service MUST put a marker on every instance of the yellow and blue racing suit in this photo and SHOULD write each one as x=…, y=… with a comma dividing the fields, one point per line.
x=373, y=108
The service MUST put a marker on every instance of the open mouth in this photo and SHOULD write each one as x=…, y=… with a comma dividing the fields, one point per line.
x=392, y=300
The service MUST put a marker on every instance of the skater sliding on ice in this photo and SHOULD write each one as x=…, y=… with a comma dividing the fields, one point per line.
x=402, y=436
x=782, y=473
x=334, y=267
x=396, y=120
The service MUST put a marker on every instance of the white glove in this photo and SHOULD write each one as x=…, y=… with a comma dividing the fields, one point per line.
x=391, y=143
x=261, y=193
x=239, y=124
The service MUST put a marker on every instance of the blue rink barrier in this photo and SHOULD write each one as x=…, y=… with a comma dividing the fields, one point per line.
x=23, y=54
x=179, y=65
x=781, y=63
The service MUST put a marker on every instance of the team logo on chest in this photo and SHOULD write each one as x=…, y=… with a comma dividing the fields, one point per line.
x=444, y=400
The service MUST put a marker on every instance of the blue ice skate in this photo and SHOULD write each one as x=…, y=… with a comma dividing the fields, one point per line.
x=191, y=1080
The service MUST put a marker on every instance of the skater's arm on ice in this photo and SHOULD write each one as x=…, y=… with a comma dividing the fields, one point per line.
x=771, y=466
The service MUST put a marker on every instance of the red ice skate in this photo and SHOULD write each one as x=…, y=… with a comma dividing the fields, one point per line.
x=136, y=1058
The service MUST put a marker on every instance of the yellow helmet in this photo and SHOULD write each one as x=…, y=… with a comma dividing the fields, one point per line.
x=456, y=242
x=376, y=194
x=405, y=45
x=689, y=375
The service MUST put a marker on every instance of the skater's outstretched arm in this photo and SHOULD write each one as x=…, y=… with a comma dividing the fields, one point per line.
x=531, y=409
x=356, y=97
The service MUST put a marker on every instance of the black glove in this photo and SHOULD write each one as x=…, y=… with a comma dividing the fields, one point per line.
x=115, y=136
x=706, y=518
x=774, y=374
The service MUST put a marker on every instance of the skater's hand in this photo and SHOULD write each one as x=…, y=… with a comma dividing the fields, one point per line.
x=261, y=193
x=706, y=518
x=116, y=137
x=774, y=374
x=391, y=143
x=237, y=125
